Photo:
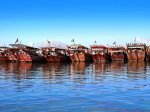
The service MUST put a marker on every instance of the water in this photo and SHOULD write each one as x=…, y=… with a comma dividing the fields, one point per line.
x=74, y=87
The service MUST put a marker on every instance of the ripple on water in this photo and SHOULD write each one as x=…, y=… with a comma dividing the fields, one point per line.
x=83, y=87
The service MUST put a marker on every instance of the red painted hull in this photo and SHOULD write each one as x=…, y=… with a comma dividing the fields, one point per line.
x=50, y=58
x=117, y=57
x=136, y=56
x=9, y=57
x=61, y=58
x=12, y=57
x=4, y=58
x=99, y=57
x=80, y=57
x=74, y=57
x=37, y=58
x=23, y=57
x=58, y=58
x=141, y=55
x=34, y=57
x=132, y=56
x=84, y=57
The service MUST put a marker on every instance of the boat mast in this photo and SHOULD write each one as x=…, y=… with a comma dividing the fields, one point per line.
x=135, y=40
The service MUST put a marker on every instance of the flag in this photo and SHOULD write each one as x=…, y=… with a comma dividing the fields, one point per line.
x=95, y=42
x=114, y=43
x=48, y=41
x=16, y=41
x=72, y=40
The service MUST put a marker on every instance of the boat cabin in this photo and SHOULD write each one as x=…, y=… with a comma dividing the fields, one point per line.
x=77, y=48
x=136, y=46
x=98, y=49
x=117, y=53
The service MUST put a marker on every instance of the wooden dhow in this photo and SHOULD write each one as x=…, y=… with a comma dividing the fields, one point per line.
x=79, y=53
x=53, y=54
x=99, y=53
x=136, y=51
x=6, y=54
x=117, y=53
x=147, y=53
x=26, y=53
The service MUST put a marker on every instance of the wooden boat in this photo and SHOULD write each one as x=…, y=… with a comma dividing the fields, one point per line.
x=117, y=53
x=35, y=54
x=136, y=51
x=3, y=54
x=6, y=54
x=78, y=53
x=53, y=54
x=21, y=55
x=99, y=53
x=147, y=53
x=26, y=53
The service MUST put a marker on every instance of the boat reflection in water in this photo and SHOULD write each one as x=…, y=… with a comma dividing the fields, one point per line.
x=78, y=67
x=99, y=67
x=58, y=68
x=55, y=69
x=21, y=68
x=94, y=86
x=116, y=66
x=135, y=69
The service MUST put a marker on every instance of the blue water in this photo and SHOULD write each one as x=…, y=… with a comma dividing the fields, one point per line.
x=75, y=87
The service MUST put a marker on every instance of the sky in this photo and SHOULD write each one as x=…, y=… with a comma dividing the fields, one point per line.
x=105, y=21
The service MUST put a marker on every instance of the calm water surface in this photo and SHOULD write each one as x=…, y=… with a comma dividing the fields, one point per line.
x=75, y=87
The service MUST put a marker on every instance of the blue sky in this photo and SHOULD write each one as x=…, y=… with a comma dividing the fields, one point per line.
x=84, y=20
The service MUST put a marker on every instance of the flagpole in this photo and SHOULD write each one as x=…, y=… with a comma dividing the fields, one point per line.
x=135, y=40
x=95, y=42
x=49, y=43
x=73, y=41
